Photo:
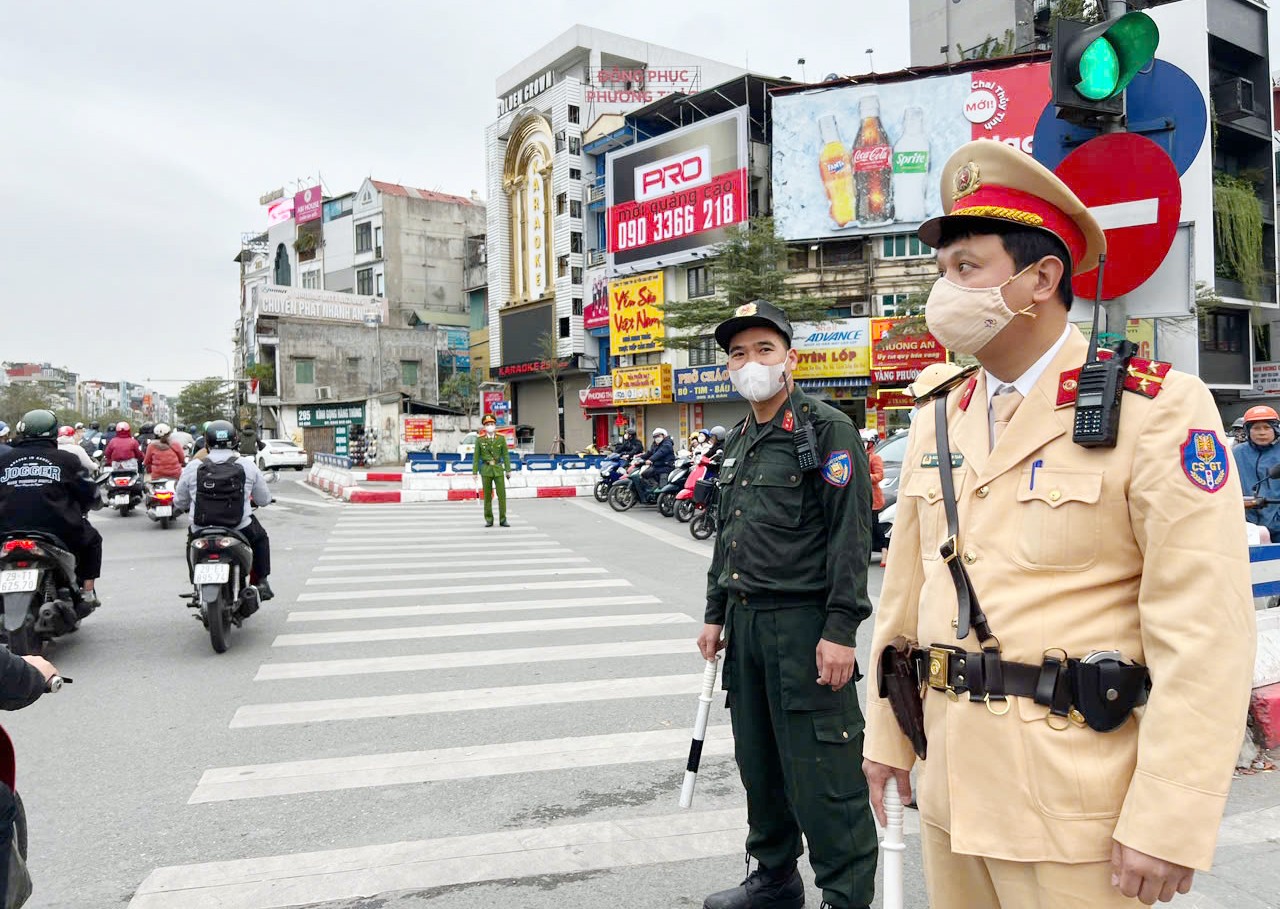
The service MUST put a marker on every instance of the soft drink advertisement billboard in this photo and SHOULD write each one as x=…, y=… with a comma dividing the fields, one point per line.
x=672, y=197
x=866, y=159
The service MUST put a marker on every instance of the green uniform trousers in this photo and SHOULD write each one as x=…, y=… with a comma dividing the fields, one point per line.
x=491, y=484
x=799, y=752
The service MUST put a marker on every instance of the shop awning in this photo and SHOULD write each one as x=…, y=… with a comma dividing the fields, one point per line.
x=858, y=383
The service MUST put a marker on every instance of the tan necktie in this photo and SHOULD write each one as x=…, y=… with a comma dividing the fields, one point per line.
x=1003, y=404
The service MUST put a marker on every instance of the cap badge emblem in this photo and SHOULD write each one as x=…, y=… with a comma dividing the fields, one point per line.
x=746, y=309
x=967, y=181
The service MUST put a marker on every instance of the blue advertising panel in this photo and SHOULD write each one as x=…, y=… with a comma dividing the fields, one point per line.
x=703, y=383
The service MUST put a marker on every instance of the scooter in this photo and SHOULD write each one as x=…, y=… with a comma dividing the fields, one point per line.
x=634, y=488
x=159, y=501
x=705, y=468
x=666, y=494
x=221, y=570
x=612, y=470
x=706, y=503
x=39, y=590
x=124, y=491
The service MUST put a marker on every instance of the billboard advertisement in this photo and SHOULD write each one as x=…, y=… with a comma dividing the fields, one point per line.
x=671, y=197
x=317, y=305
x=308, y=205
x=642, y=385
x=836, y=349
x=704, y=383
x=866, y=159
x=596, y=313
x=898, y=360
x=635, y=315
x=524, y=332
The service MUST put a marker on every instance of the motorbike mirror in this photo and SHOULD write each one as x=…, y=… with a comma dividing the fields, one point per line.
x=1273, y=472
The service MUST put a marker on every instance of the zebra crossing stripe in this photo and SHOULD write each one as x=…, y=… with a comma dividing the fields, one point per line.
x=512, y=588
x=469, y=563
x=423, y=632
x=461, y=701
x=454, y=575
x=387, y=612
x=461, y=550
x=275, y=882
x=431, y=662
x=468, y=762
x=426, y=546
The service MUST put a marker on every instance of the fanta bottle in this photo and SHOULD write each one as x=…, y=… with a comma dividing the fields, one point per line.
x=837, y=175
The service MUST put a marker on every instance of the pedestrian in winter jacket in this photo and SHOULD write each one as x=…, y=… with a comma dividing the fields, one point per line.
x=123, y=449
x=164, y=459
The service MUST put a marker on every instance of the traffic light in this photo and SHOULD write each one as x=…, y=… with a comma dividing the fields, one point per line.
x=1092, y=64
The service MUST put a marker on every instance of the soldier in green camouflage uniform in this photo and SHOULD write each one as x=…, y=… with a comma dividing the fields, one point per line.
x=492, y=461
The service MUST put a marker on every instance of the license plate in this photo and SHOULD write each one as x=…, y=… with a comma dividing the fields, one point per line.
x=212, y=573
x=164, y=511
x=119, y=500
x=23, y=581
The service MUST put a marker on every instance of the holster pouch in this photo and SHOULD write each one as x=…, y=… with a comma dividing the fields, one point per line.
x=898, y=678
x=1107, y=690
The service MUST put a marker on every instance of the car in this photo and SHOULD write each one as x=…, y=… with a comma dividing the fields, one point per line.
x=276, y=453
x=892, y=450
x=467, y=446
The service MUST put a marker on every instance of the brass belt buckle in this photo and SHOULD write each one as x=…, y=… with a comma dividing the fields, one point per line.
x=940, y=671
x=955, y=546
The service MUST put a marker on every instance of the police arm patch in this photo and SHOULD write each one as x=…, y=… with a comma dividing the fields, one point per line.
x=838, y=468
x=1204, y=460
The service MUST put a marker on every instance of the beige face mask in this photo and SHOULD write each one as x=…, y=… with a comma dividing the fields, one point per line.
x=965, y=319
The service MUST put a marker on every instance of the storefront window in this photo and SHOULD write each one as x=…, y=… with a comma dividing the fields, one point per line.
x=902, y=246
x=304, y=372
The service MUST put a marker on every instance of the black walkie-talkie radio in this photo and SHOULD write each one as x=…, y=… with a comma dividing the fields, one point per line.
x=805, y=440
x=1101, y=383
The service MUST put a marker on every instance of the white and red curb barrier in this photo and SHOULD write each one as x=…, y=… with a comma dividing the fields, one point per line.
x=1264, y=705
x=344, y=483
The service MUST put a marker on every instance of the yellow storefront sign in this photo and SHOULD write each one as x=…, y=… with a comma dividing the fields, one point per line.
x=635, y=314
x=642, y=385
x=836, y=349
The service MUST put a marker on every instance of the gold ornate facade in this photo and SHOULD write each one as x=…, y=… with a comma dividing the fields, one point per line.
x=526, y=178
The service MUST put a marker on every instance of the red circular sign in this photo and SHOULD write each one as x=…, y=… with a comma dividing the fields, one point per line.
x=1131, y=186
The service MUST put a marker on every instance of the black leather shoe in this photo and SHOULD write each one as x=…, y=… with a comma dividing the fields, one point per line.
x=503, y=523
x=488, y=523
x=763, y=889
x=264, y=590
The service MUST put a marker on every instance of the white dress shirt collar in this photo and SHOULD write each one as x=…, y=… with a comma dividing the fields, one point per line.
x=1027, y=381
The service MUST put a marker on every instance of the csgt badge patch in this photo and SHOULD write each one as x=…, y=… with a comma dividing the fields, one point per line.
x=838, y=469
x=1204, y=460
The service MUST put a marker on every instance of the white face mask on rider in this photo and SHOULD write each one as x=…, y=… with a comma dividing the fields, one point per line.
x=758, y=381
x=965, y=319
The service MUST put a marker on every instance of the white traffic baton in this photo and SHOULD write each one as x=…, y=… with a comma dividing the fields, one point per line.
x=892, y=847
x=699, y=731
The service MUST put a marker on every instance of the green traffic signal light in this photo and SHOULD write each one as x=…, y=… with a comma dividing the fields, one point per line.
x=1093, y=64
x=1099, y=70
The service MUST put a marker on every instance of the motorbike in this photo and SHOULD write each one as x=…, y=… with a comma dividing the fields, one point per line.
x=705, y=468
x=220, y=563
x=666, y=493
x=38, y=585
x=611, y=471
x=706, y=501
x=634, y=487
x=159, y=500
x=124, y=490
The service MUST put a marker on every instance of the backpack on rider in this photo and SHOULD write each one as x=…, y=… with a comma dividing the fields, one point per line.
x=219, y=494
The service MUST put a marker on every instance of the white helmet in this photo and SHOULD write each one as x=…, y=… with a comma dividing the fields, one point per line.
x=659, y=432
x=162, y=429
x=122, y=426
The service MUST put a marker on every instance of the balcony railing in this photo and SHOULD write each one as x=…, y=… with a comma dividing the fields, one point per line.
x=595, y=194
x=595, y=257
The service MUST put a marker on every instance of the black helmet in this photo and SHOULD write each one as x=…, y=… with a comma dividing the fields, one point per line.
x=94, y=426
x=221, y=434
x=38, y=424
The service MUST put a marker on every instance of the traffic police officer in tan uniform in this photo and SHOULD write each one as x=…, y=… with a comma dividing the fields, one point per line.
x=1069, y=552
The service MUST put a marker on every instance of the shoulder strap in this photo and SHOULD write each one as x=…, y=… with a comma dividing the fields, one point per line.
x=970, y=613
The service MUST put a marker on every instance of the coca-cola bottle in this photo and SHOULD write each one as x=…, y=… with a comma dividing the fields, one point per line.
x=872, y=159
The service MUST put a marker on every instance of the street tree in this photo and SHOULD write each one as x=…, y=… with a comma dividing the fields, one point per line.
x=749, y=265
x=461, y=392
x=204, y=400
x=17, y=399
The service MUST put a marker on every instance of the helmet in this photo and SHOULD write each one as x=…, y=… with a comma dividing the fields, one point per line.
x=718, y=432
x=221, y=434
x=66, y=432
x=869, y=436
x=79, y=426
x=38, y=424
x=659, y=432
x=94, y=425
x=630, y=431
x=162, y=430
x=1238, y=423
x=1260, y=414
x=122, y=426
x=931, y=377
x=205, y=426
x=4, y=429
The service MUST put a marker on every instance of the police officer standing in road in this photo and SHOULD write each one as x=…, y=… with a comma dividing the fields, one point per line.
x=1044, y=587
x=785, y=593
x=492, y=461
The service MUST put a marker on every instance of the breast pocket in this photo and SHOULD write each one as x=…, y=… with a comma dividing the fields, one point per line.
x=923, y=491
x=1058, y=519
x=780, y=490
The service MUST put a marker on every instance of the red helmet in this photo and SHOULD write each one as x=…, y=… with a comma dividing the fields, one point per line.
x=1260, y=414
x=66, y=432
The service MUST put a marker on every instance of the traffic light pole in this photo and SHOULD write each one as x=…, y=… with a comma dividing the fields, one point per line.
x=1117, y=311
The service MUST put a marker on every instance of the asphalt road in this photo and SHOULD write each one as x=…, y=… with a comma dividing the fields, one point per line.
x=356, y=741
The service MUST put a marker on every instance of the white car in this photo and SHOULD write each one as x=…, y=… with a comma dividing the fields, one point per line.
x=467, y=447
x=276, y=453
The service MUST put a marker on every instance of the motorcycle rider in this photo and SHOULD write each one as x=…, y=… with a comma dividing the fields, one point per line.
x=718, y=434
x=629, y=446
x=5, y=447
x=221, y=442
x=165, y=458
x=660, y=458
x=44, y=488
x=1253, y=457
x=123, y=452
x=67, y=442
x=185, y=439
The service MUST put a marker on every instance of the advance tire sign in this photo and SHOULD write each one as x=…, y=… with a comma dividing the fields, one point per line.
x=672, y=197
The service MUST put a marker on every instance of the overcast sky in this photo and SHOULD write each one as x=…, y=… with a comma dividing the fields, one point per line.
x=139, y=136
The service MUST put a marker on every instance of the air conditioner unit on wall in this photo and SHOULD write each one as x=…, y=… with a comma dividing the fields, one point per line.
x=1234, y=99
x=860, y=308
x=324, y=392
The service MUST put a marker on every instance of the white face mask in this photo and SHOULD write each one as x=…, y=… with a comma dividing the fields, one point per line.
x=758, y=382
x=489, y=430
x=965, y=319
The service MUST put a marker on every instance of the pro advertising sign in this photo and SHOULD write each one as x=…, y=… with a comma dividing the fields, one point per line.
x=642, y=385
x=704, y=383
x=672, y=197
x=635, y=314
x=866, y=159
x=308, y=205
x=898, y=360
x=835, y=349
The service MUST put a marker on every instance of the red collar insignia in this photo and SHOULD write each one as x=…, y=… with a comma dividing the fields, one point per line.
x=1068, y=384
x=788, y=421
x=1145, y=377
x=968, y=392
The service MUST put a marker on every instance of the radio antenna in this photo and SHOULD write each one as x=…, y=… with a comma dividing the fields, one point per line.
x=1097, y=307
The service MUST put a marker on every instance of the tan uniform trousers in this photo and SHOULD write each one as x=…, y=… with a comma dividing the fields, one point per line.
x=956, y=881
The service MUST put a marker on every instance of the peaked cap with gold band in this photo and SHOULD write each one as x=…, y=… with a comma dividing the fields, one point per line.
x=988, y=180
